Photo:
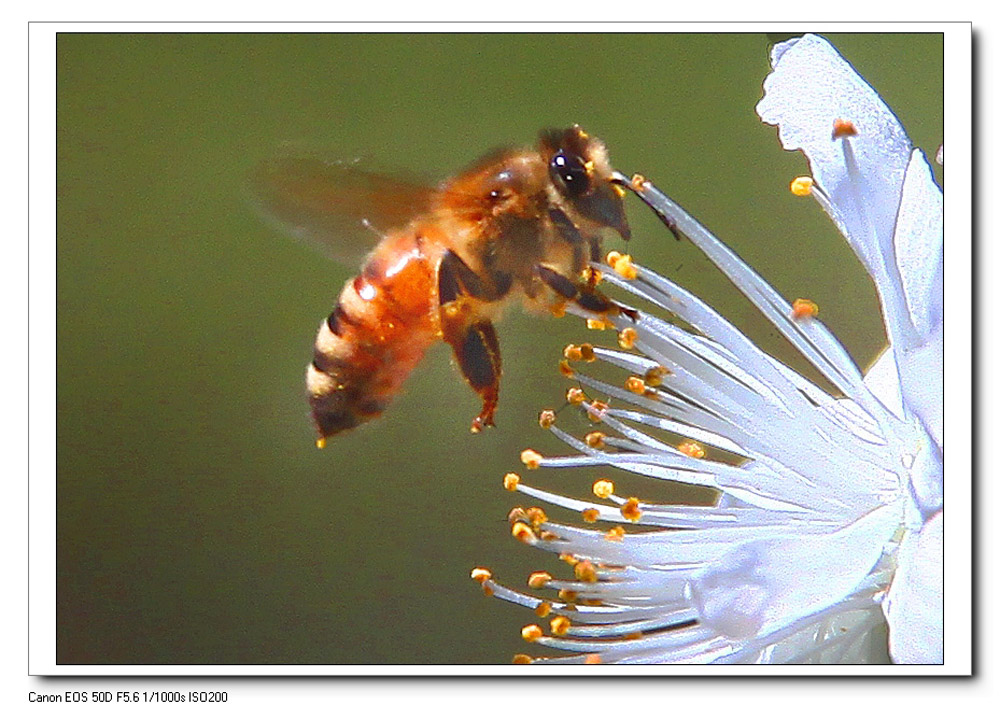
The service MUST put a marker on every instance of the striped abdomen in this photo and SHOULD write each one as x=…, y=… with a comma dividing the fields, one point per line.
x=384, y=321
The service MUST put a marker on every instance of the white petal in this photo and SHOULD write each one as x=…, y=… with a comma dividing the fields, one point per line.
x=915, y=608
x=811, y=87
x=762, y=585
x=919, y=246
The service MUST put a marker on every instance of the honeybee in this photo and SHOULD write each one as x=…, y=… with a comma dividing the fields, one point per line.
x=517, y=224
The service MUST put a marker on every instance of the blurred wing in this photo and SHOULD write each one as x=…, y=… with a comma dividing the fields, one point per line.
x=337, y=207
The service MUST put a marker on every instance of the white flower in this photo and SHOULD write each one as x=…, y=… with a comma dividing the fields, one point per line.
x=829, y=513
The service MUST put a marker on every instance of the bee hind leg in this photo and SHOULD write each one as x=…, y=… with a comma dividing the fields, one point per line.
x=472, y=338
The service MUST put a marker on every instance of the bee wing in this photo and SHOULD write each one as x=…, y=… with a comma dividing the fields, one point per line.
x=338, y=207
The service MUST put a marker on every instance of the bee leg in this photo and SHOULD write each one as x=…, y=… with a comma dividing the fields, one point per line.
x=472, y=339
x=585, y=296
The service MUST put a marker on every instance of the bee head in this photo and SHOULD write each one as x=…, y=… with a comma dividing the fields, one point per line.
x=580, y=171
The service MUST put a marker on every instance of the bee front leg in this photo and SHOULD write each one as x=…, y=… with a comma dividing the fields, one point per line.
x=583, y=295
x=472, y=338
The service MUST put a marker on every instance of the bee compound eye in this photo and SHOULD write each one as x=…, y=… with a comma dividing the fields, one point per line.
x=569, y=171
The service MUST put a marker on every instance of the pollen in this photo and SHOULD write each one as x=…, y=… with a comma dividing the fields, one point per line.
x=558, y=310
x=531, y=459
x=692, y=449
x=591, y=515
x=635, y=385
x=538, y=580
x=531, y=633
x=627, y=338
x=570, y=559
x=613, y=257
x=567, y=595
x=596, y=411
x=593, y=324
x=801, y=186
x=321, y=443
x=615, y=534
x=510, y=481
x=573, y=353
x=630, y=510
x=522, y=532
x=537, y=516
x=638, y=181
x=521, y=659
x=481, y=574
x=546, y=418
x=587, y=352
x=591, y=276
x=624, y=267
x=585, y=571
x=543, y=610
x=654, y=375
x=548, y=536
x=604, y=488
x=575, y=395
x=564, y=369
x=589, y=659
x=844, y=128
x=559, y=626
x=801, y=309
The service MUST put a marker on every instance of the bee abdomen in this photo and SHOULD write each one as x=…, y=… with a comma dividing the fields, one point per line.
x=371, y=341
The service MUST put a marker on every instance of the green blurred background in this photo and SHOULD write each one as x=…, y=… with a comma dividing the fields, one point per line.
x=197, y=523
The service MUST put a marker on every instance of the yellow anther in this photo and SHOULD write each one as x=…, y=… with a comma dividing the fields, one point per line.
x=570, y=559
x=488, y=590
x=590, y=659
x=564, y=369
x=801, y=186
x=531, y=459
x=510, y=481
x=547, y=536
x=567, y=595
x=630, y=510
x=596, y=411
x=638, y=181
x=627, y=338
x=604, y=488
x=615, y=535
x=481, y=574
x=591, y=515
x=572, y=353
x=593, y=324
x=692, y=449
x=844, y=128
x=558, y=309
x=521, y=659
x=587, y=352
x=517, y=514
x=654, y=376
x=802, y=309
x=585, y=571
x=559, y=625
x=635, y=385
x=613, y=257
x=531, y=633
x=537, y=580
x=522, y=532
x=543, y=610
x=321, y=443
x=537, y=516
x=575, y=395
x=594, y=440
x=625, y=268
x=546, y=418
